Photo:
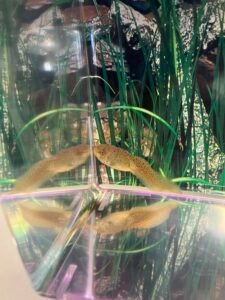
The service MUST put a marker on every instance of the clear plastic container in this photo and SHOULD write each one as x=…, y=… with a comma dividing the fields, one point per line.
x=84, y=225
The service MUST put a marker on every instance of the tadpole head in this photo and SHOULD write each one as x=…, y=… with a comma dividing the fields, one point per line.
x=100, y=151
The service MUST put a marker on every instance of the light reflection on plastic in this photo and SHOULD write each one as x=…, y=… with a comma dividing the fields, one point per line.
x=63, y=286
x=217, y=220
x=49, y=44
x=47, y=66
x=76, y=49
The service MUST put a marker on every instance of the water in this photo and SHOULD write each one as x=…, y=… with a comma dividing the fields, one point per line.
x=95, y=232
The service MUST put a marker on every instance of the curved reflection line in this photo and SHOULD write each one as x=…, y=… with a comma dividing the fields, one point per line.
x=210, y=198
x=45, y=192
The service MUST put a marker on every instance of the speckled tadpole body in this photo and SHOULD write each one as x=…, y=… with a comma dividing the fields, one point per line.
x=144, y=217
x=137, y=217
x=43, y=216
x=40, y=172
x=122, y=160
x=114, y=157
